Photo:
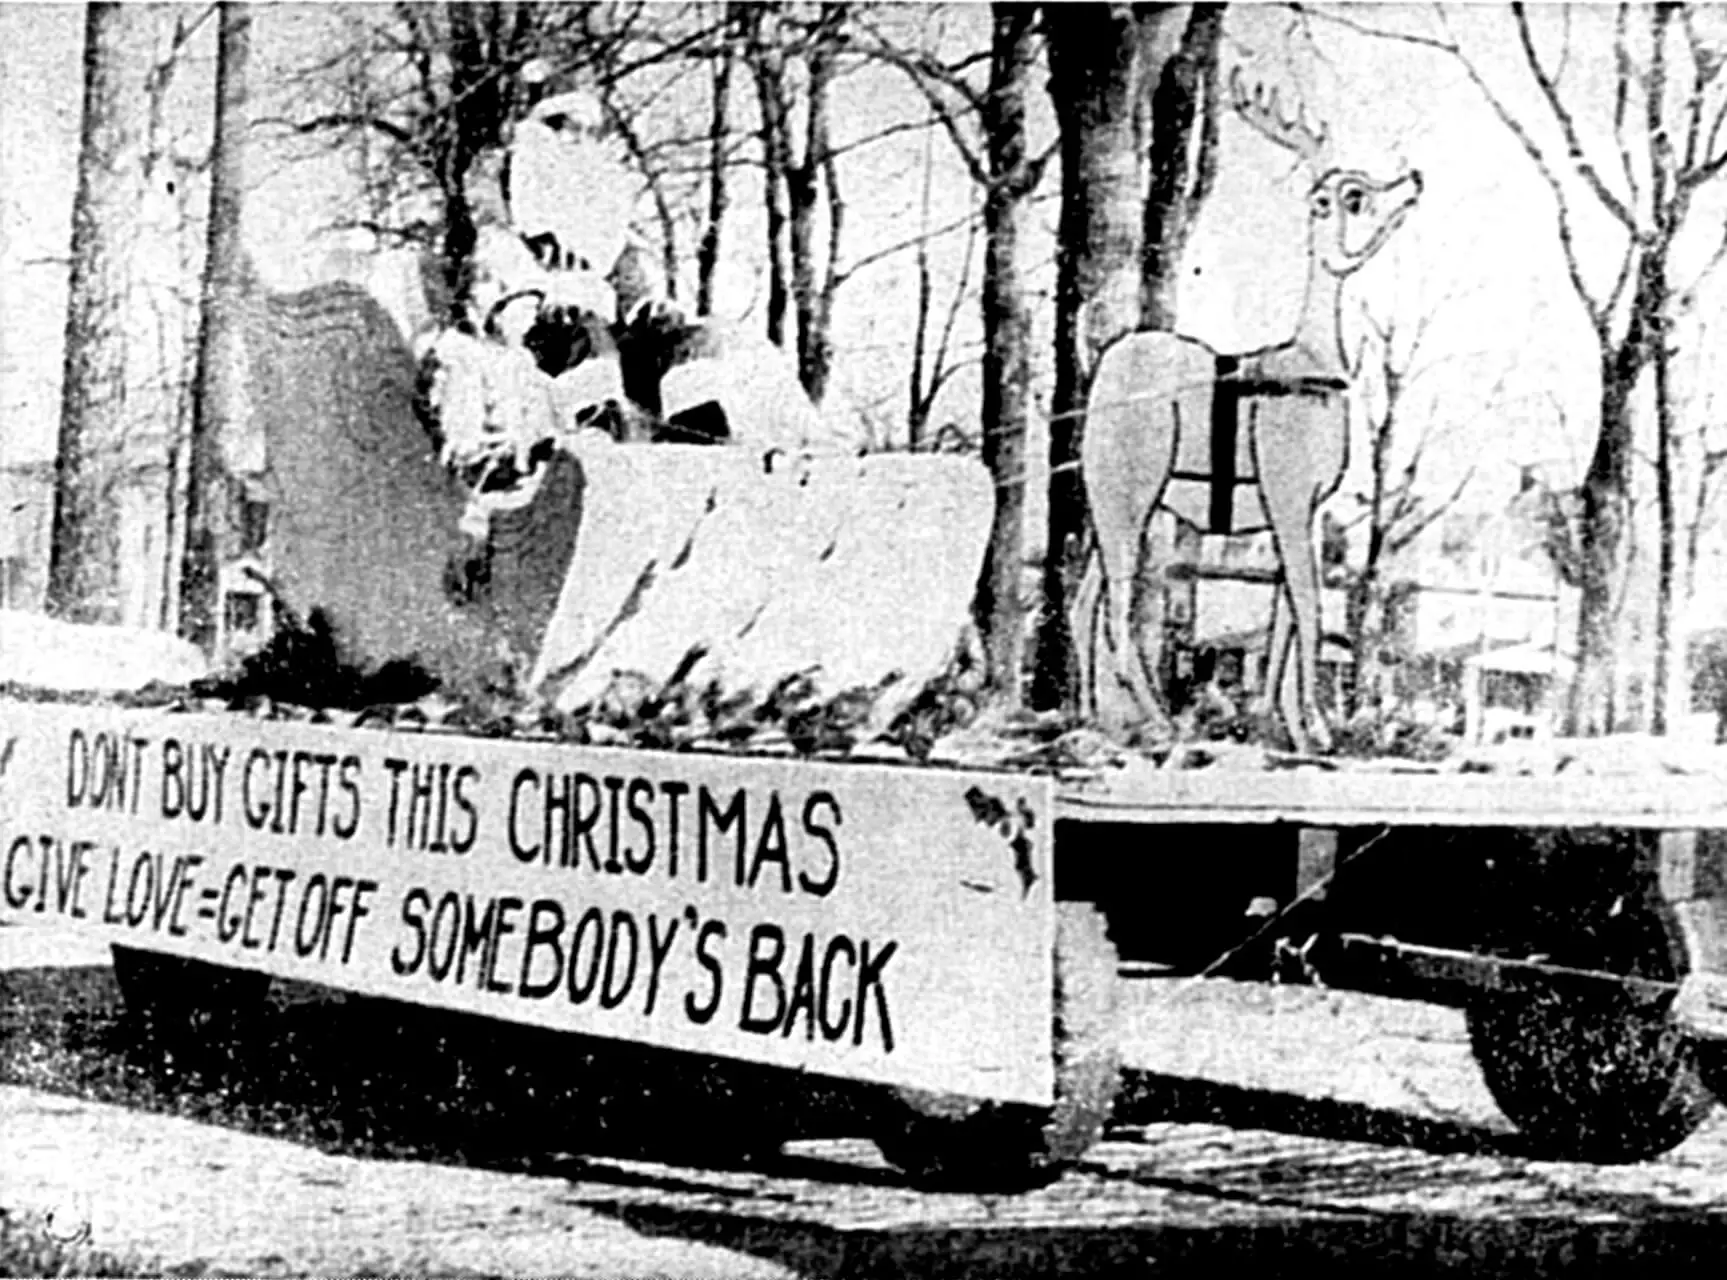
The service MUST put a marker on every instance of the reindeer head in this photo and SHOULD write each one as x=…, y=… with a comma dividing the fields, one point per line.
x=1350, y=213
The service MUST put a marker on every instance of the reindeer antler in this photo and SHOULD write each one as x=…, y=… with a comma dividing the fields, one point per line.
x=1259, y=108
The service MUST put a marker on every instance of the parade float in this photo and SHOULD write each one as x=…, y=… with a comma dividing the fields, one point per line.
x=608, y=691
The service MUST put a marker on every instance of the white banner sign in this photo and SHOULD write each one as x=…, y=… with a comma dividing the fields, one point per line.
x=870, y=922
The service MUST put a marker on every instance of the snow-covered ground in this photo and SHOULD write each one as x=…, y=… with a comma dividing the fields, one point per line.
x=44, y=653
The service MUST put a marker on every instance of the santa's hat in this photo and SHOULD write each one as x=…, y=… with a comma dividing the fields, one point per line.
x=558, y=99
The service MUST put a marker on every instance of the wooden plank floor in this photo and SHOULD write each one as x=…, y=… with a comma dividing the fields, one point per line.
x=1342, y=798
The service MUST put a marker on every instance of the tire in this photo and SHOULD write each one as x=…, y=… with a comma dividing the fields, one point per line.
x=1712, y=1066
x=943, y=1140
x=187, y=1002
x=1597, y=1075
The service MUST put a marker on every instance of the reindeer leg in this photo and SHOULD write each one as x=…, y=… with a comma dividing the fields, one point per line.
x=1084, y=625
x=1098, y=654
x=1289, y=507
x=1150, y=603
x=1125, y=695
x=1299, y=699
x=1126, y=456
x=1281, y=700
x=1292, y=705
x=1271, y=709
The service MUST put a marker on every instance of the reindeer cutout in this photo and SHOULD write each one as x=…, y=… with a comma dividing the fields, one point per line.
x=1230, y=444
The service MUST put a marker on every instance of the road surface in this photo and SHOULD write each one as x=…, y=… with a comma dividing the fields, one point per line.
x=1272, y=1128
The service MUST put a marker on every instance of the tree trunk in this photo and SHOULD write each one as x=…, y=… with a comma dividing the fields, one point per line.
x=806, y=182
x=779, y=291
x=1092, y=82
x=1182, y=173
x=456, y=153
x=1666, y=577
x=719, y=196
x=1364, y=585
x=1658, y=292
x=767, y=69
x=919, y=399
x=83, y=550
x=219, y=386
x=1590, y=708
x=1593, y=707
x=1099, y=58
x=480, y=102
x=1007, y=347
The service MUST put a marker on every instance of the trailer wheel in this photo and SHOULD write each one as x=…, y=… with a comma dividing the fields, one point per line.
x=947, y=1140
x=1712, y=1066
x=187, y=1002
x=1596, y=1075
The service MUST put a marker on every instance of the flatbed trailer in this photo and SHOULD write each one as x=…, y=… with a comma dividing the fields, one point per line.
x=948, y=941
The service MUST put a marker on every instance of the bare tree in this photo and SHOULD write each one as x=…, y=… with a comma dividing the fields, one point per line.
x=766, y=60
x=166, y=265
x=1185, y=109
x=957, y=100
x=217, y=399
x=82, y=561
x=718, y=161
x=1010, y=175
x=647, y=163
x=936, y=355
x=801, y=182
x=1396, y=505
x=1664, y=145
x=987, y=125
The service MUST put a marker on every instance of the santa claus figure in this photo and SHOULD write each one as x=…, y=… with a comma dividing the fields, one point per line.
x=568, y=325
x=570, y=193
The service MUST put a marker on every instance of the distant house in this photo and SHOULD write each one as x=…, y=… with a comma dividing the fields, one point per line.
x=1480, y=620
x=1511, y=692
x=142, y=555
x=1218, y=613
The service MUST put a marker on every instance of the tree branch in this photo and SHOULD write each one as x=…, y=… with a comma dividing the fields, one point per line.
x=924, y=65
x=656, y=184
x=1342, y=19
x=1600, y=317
x=1403, y=538
x=951, y=320
x=1703, y=173
x=335, y=120
x=924, y=80
x=1699, y=87
x=1568, y=125
x=1622, y=95
x=1711, y=156
x=880, y=135
x=900, y=246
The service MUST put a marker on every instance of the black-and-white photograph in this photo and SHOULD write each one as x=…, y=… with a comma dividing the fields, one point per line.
x=827, y=639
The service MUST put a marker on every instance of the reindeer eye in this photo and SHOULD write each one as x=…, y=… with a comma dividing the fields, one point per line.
x=1354, y=200
x=1322, y=206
